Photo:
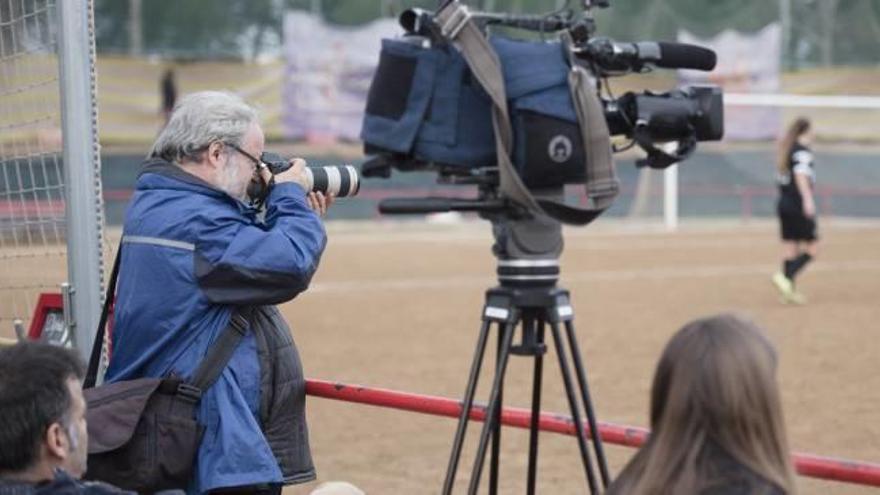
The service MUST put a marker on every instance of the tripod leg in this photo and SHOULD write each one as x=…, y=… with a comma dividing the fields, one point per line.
x=495, y=455
x=572, y=402
x=588, y=403
x=466, y=408
x=537, y=375
x=491, y=412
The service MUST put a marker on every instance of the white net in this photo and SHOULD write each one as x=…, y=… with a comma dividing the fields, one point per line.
x=32, y=219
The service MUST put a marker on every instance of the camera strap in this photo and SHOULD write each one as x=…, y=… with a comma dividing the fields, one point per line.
x=602, y=185
x=659, y=158
x=456, y=25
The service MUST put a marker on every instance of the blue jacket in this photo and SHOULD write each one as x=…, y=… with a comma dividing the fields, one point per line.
x=190, y=255
x=63, y=484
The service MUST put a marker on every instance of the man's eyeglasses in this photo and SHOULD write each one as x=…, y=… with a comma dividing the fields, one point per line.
x=258, y=164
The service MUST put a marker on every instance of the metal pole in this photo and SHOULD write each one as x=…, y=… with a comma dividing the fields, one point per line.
x=84, y=209
x=463, y=418
x=537, y=381
x=785, y=20
x=670, y=197
x=136, y=30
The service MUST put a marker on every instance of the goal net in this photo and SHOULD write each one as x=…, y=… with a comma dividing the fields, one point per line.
x=32, y=216
x=51, y=212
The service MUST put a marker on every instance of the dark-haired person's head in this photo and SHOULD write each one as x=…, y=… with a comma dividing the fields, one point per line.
x=42, y=412
x=798, y=131
x=716, y=415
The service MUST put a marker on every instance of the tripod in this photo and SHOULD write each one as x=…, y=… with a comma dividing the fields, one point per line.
x=528, y=298
x=527, y=249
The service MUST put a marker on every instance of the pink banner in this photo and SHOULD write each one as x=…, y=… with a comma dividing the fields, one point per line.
x=747, y=63
x=327, y=75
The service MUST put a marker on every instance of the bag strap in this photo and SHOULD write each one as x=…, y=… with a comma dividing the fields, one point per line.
x=98, y=344
x=212, y=364
x=457, y=25
x=220, y=352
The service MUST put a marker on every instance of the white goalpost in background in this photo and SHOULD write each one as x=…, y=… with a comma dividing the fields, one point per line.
x=851, y=109
x=51, y=210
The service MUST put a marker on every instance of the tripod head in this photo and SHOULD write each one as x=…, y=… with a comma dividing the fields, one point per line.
x=526, y=246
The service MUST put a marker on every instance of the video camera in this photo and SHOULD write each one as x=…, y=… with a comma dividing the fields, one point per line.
x=523, y=118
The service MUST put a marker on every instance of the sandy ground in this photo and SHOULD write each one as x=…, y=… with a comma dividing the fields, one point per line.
x=397, y=306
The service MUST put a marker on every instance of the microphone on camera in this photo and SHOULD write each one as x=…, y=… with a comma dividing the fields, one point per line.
x=685, y=56
x=626, y=56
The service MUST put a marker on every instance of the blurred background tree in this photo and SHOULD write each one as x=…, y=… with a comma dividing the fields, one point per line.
x=816, y=32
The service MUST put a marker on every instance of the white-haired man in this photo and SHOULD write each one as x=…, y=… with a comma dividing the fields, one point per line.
x=194, y=252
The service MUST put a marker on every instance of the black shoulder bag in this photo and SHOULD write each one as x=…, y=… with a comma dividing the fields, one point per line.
x=143, y=435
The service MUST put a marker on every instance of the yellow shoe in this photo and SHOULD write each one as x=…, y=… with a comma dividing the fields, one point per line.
x=797, y=298
x=783, y=284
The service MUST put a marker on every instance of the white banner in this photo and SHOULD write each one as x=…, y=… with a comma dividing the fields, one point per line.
x=328, y=74
x=747, y=63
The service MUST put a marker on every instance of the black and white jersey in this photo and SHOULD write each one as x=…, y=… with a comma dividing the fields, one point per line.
x=800, y=161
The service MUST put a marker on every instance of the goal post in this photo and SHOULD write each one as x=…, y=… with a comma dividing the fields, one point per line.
x=82, y=168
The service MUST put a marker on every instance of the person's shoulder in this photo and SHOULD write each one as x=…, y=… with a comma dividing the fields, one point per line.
x=799, y=150
x=743, y=486
x=731, y=477
x=99, y=488
x=64, y=484
x=8, y=487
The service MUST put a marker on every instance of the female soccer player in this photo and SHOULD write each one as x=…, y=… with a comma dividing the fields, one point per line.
x=796, y=207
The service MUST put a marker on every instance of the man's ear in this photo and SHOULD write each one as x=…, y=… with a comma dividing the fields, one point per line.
x=215, y=153
x=56, y=442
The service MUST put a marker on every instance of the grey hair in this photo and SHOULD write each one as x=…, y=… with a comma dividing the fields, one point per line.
x=198, y=120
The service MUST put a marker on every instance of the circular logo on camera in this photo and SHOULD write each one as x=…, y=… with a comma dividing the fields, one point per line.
x=559, y=149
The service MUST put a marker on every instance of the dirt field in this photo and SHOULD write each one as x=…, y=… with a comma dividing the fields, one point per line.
x=397, y=307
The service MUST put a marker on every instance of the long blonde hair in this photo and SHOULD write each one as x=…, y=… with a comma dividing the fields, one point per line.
x=798, y=128
x=714, y=384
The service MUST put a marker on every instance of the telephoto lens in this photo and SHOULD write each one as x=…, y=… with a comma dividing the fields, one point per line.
x=339, y=180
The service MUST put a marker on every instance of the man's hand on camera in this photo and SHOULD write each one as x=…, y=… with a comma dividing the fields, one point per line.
x=296, y=173
x=319, y=202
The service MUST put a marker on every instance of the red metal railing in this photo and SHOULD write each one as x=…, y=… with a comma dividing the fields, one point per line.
x=859, y=472
x=746, y=194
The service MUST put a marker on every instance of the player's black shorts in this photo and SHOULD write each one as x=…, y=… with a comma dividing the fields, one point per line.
x=795, y=226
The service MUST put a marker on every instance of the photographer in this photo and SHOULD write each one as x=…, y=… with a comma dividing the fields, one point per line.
x=194, y=252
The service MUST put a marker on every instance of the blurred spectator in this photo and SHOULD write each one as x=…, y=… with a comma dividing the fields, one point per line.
x=716, y=417
x=43, y=438
x=168, y=90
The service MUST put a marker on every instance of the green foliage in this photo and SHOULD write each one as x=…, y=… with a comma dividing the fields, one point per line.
x=822, y=31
